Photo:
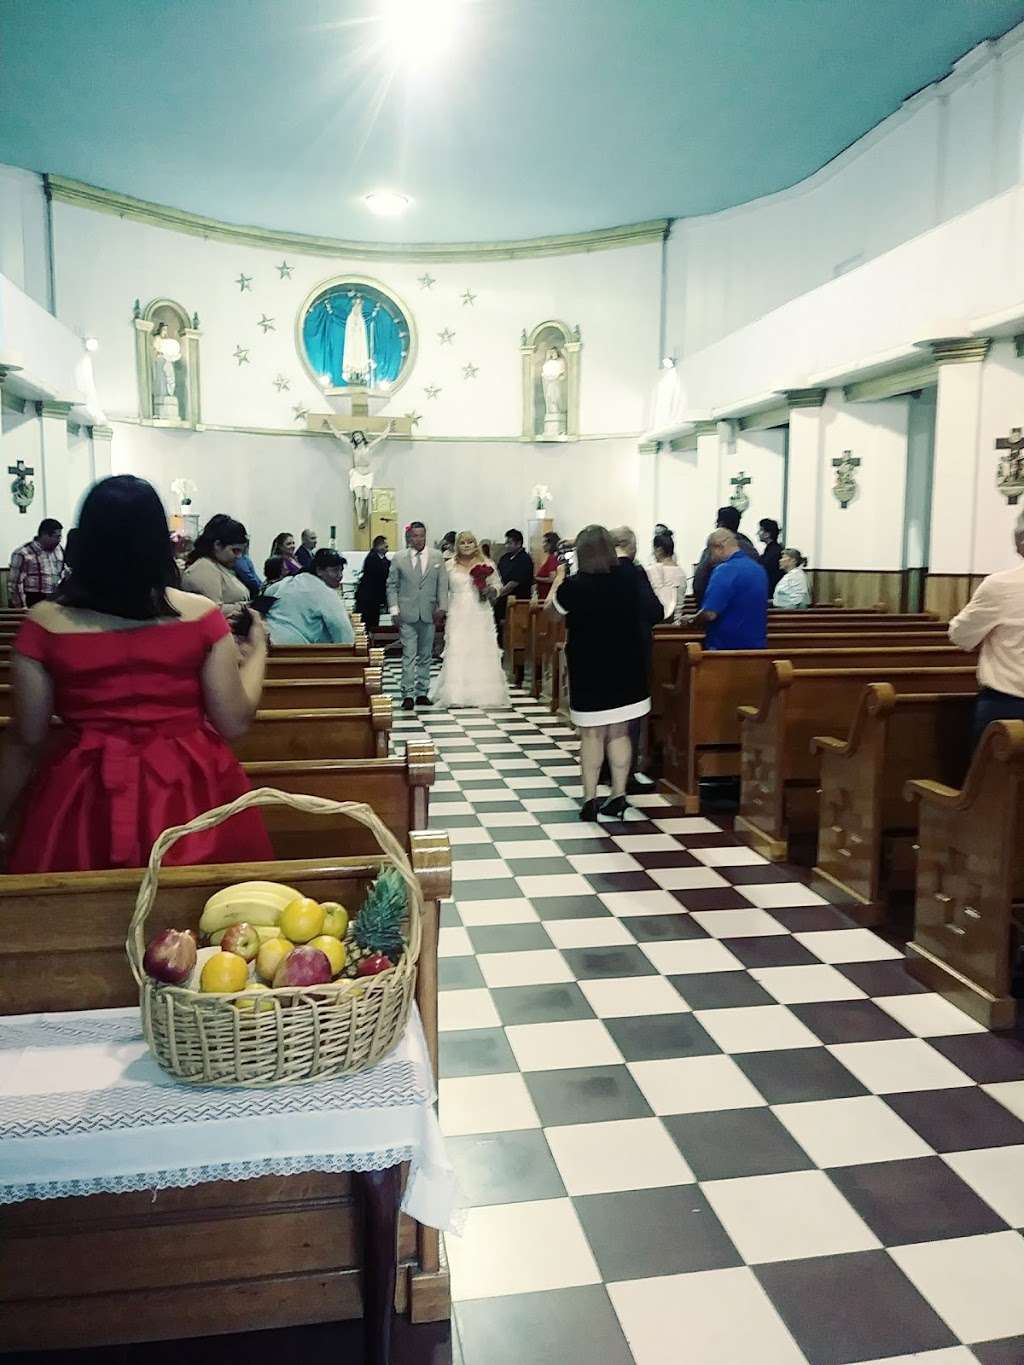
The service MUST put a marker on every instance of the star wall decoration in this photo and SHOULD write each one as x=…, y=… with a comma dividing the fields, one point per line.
x=446, y=337
x=242, y=355
x=284, y=270
x=470, y=371
x=427, y=281
x=468, y=298
x=301, y=412
x=244, y=282
x=267, y=324
x=431, y=390
x=414, y=418
x=281, y=384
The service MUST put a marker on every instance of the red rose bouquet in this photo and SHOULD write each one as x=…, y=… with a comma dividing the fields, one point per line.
x=480, y=573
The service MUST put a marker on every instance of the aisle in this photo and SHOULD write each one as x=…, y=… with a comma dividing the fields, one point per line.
x=693, y=1106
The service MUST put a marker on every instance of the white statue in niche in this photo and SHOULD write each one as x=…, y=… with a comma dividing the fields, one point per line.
x=356, y=357
x=553, y=375
x=166, y=359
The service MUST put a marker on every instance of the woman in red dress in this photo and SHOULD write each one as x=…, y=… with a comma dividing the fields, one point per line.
x=545, y=575
x=149, y=685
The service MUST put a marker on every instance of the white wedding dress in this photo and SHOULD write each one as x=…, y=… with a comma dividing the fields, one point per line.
x=471, y=673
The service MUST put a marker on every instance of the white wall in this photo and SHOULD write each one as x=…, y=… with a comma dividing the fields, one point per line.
x=24, y=241
x=948, y=148
x=1002, y=407
x=868, y=532
x=920, y=470
x=762, y=456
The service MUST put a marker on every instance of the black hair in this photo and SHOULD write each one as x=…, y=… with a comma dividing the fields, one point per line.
x=665, y=543
x=377, y=540
x=123, y=558
x=49, y=527
x=450, y=535
x=275, y=548
x=551, y=541
x=326, y=559
x=772, y=527
x=729, y=519
x=220, y=528
x=517, y=536
x=273, y=568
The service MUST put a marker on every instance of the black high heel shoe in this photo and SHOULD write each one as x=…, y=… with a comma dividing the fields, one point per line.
x=614, y=808
x=590, y=809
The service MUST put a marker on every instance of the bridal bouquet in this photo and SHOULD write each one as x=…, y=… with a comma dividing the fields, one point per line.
x=480, y=573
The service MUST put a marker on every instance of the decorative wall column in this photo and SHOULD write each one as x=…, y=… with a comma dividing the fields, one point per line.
x=102, y=438
x=802, y=525
x=648, y=511
x=712, y=447
x=53, y=497
x=957, y=436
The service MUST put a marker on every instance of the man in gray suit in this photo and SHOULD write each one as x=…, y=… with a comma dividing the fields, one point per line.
x=418, y=596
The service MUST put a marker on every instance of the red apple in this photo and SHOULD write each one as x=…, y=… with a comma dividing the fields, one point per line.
x=303, y=967
x=170, y=956
x=376, y=962
x=241, y=939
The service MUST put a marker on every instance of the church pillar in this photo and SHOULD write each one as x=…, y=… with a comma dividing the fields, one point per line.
x=648, y=511
x=802, y=513
x=55, y=500
x=712, y=449
x=102, y=438
x=957, y=434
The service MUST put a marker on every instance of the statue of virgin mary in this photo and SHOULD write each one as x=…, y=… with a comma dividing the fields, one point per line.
x=355, y=365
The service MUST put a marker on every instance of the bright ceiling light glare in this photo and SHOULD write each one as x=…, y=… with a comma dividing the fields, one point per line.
x=386, y=203
x=91, y=344
x=324, y=380
x=421, y=31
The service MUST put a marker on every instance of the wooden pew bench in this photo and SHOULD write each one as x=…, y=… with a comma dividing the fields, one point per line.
x=867, y=831
x=779, y=771
x=224, y=1256
x=356, y=732
x=318, y=694
x=324, y=666
x=517, y=639
x=969, y=905
x=700, y=729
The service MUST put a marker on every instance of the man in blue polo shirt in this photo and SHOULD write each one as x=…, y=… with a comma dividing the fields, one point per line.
x=734, y=612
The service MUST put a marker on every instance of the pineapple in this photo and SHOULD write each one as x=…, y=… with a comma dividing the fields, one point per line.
x=378, y=926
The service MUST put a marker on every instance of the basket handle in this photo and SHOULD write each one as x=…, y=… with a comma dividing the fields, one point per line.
x=135, y=944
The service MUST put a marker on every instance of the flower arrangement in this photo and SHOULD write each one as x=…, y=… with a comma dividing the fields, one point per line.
x=541, y=496
x=480, y=573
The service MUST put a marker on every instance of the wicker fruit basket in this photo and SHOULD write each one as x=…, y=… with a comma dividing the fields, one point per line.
x=296, y=1033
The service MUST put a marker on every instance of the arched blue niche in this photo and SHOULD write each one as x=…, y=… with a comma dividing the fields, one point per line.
x=391, y=335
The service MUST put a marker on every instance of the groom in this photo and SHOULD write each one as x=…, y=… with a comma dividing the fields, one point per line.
x=418, y=596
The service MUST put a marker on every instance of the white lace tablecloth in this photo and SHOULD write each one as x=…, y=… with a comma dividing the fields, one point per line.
x=84, y=1109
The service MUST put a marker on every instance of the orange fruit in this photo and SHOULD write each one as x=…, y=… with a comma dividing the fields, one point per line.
x=224, y=972
x=301, y=920
x=332, y=949
x=271, y=955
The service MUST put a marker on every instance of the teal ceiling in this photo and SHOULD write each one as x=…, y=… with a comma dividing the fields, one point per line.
x=545, y=116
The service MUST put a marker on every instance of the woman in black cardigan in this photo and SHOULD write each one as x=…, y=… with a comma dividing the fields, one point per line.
x=768, y=534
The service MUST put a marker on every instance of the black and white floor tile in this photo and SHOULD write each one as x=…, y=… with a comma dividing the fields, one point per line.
x=699, y=1115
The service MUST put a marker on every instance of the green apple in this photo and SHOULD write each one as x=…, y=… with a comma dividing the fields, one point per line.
x=335, y=919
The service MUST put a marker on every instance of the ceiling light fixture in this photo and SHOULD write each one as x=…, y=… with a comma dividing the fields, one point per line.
x=386, y=203
x=668, y=363
x=420, y=30
x=91, y=344
x=324, y=380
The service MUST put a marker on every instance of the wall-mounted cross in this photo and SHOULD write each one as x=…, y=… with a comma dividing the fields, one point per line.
x=740, y=481
x=1011, y=467
x=739, y=498
x=22, y=490
x=845, y=485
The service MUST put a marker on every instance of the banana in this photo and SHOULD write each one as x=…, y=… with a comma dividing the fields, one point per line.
x=256, y=907
x=283, y=895
x=265, y=931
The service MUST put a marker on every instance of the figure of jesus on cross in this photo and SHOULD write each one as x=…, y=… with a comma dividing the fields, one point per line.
x=23, y=490
x=1010, y=472
x=360, y=478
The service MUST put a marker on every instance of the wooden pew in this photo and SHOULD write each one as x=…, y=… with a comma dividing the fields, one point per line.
x=700, y=731
x=357, y=732
x=326, y=666
x=779, y=771
x=547, y=664
x=220, y=1257
x=867, y=831
x=517, y=638
x=397, y=787
x=969, y=906
x=317, y=694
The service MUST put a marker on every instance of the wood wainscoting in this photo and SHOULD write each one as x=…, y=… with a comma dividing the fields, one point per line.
x=892, y=589
x=947, y=593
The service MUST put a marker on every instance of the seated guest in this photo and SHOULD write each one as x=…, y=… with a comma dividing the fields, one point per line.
x=728, y=520
x=38, y=567
x=792, y=592
x=447, y=546
x=372, y=590
x=735, y=610
x=245, y=570
x=284, y=545
x=182, y=546
x=149, y=685
x=667, y=578
x=210, y=568
x=771, y=555
x=304, y=554
x=994, y=619
x=307, y=608
x=549, y=566
x=273, y=571
x=515, y=569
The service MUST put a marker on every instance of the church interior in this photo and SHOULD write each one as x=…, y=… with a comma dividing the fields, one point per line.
x=735, y=1075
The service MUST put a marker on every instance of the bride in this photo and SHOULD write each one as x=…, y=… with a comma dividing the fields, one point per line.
x=471, y=674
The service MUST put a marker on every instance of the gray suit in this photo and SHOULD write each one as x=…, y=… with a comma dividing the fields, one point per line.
x=417, y=596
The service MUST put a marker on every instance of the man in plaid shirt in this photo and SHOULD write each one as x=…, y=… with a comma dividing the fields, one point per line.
x=38, y=567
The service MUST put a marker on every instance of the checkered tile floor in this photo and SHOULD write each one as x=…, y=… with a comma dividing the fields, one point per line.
x=699, y=1115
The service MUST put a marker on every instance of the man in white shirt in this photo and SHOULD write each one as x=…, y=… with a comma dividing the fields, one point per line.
x=994, y=619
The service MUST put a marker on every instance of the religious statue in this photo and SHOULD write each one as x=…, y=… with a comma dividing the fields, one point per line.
x=356, y=355
x=1010, y=470
x=739, y=498
x=845, y=489
x=360, y=478
x=23, y=489
x=553, y=374
x=166, y=356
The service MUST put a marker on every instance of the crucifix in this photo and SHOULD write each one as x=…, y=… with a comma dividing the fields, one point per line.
x=23, y=490
x=1010, y=472
x=739, y=499
x=845, y=487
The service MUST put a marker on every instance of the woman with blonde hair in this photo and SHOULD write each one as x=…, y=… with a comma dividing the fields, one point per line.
x=471, y=672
